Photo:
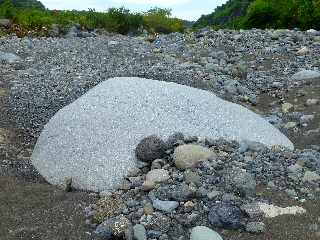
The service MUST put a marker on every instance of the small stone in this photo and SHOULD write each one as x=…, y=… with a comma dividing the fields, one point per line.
x=166, y=206
x=276, y=84
x=113, y=43
x=187, y=156
x=204, y=233
x=150, y=149
x=113, y=227
x=134, y=172
x=67, y=186
x=252, y=210
x=158, y=164
x=286, y=107
x=105, y=194
x=306, y=118
x=256, y=227
x=310, y=177
x=246, y=145
x=148, y=185
x=225, y=215
x=107, y=208
x=303, y=50
x=188, y=206
x=213, y=194
x=192, y=177
x=290, y=125
x=291, y=193
x=139, y=232
x=243, y=182
x=157, y=176
x=174, y=139
x=148, y=209
x=312, y=101
x=295, y=172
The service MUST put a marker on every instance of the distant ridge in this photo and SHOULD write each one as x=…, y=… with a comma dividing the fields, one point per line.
x=26, y=4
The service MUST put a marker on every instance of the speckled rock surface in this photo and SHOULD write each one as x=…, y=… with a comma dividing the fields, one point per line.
x=93, y=139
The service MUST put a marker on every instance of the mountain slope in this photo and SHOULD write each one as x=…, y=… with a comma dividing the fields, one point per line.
x=304, y=14
x=225, y=14
x=26, y=3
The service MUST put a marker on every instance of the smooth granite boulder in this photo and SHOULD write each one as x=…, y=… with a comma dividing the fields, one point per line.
x=93, y=140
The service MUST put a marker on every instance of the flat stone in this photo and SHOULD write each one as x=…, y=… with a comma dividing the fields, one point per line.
x=253, y=210
x=306, y=74
x=271, y=211
x=312, y=101
x=157, y=175
x=9, y=57
x=310, y=177
x=303, y=50
x=204, y=233
x=256, y=227
x=93, y=140
x=166, y=206
x=139, y=232
x=290, y=125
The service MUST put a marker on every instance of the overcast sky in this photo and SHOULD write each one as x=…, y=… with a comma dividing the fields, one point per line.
x=185, y=9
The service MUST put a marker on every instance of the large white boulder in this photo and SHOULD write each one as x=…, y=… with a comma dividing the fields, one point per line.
x=93, y=139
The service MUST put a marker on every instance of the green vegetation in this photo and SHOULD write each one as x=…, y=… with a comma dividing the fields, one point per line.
x=159, y=20
x=304, y=14
x=38, y=21
x=227, y=15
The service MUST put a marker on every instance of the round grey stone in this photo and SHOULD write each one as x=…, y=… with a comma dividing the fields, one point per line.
x=225, y=215
x=204, y=233
x=150, y=148
x=139, y=232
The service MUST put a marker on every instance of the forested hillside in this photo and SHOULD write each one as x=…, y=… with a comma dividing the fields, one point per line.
x=264, y=14
x=226, y=14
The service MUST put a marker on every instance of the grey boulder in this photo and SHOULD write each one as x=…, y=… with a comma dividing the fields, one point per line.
x=8, y=57
x=93, y=140
x=306, y=74
x=5, y=22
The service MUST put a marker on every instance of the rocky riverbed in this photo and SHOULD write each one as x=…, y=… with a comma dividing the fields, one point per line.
x=274, y=73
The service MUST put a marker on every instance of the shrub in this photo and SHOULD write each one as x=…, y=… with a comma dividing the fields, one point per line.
x=118, y=20
x=159, y=20
x=7, y=10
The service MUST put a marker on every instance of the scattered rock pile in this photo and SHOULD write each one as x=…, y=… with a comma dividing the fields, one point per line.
x=202, y=184
x=237, y=65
